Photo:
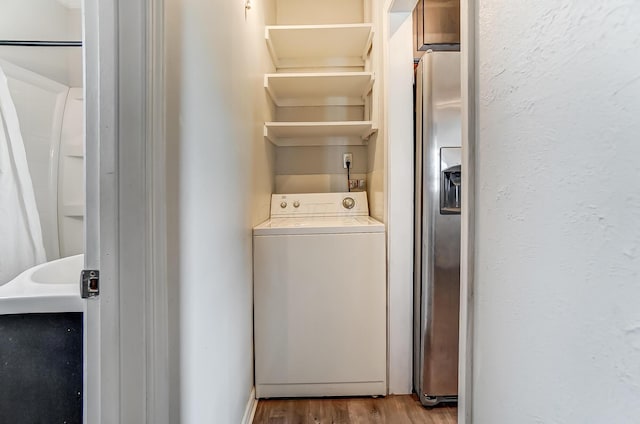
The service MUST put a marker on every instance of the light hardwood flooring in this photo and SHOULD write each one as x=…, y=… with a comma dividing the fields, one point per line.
x=389, y=410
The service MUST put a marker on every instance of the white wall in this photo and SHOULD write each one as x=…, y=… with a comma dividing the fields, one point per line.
x=317, y=169
x=43, y=20
x=220, y=176
x=377, y=148
x=312, y=12
x=557, y=322
x=399, y=105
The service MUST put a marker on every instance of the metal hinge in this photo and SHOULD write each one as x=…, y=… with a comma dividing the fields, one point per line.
x=89, y=283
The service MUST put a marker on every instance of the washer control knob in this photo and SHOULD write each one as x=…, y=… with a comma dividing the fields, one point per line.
x=283, y=205
x=348, y=202
x=296, y=204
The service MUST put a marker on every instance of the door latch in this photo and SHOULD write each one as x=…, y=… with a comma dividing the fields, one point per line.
x=89, y=283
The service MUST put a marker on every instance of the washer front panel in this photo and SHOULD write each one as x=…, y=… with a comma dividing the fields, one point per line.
x=320, y=314
x=319, y=205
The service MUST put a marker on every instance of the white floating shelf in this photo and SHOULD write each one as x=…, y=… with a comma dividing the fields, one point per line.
x=296, y=46
x=342, y=133
x=319, y=89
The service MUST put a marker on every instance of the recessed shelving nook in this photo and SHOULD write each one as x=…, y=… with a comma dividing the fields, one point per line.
x=323, y=81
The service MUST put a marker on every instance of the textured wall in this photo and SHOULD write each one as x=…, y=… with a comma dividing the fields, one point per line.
x=558, y=213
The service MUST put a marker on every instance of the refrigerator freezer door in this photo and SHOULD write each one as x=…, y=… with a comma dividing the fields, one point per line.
x=437, y=277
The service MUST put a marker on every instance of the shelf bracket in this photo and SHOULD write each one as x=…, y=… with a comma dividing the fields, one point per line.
x=272, y=95
x=366, y=135
x=272, y=51
x=367, y=46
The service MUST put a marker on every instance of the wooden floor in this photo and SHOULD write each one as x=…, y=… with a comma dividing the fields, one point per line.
x=388, y=410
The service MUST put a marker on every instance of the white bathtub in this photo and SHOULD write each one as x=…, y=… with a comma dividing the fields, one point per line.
x=50, y=287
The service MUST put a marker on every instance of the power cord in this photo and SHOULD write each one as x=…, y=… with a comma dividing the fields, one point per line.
x=349, y=175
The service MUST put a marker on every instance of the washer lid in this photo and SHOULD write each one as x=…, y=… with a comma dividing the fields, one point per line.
x=318, y=225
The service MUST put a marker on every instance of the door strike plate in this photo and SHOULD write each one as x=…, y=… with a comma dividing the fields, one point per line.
x=89, y=283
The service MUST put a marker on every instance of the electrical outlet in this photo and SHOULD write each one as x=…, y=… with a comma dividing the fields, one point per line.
x=353, y=184
x=347, y=157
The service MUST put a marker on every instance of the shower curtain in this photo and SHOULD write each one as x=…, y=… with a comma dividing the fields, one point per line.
x=21, y=244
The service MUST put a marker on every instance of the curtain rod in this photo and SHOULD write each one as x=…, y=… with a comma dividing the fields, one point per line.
x=35, y=43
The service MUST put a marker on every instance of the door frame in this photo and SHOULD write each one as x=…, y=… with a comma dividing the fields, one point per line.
x=101, y=317
x=468, y=38
x=125, y=350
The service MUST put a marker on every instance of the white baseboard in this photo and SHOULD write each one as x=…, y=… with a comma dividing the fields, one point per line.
x=369, y=388
x=250, y=410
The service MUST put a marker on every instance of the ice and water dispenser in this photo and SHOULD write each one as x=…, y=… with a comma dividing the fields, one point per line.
x=451, y=178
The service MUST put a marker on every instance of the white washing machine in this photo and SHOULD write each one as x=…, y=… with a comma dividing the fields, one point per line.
x=320, y=298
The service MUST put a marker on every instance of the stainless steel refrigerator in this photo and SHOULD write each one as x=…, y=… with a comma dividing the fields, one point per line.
x=437, y=227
